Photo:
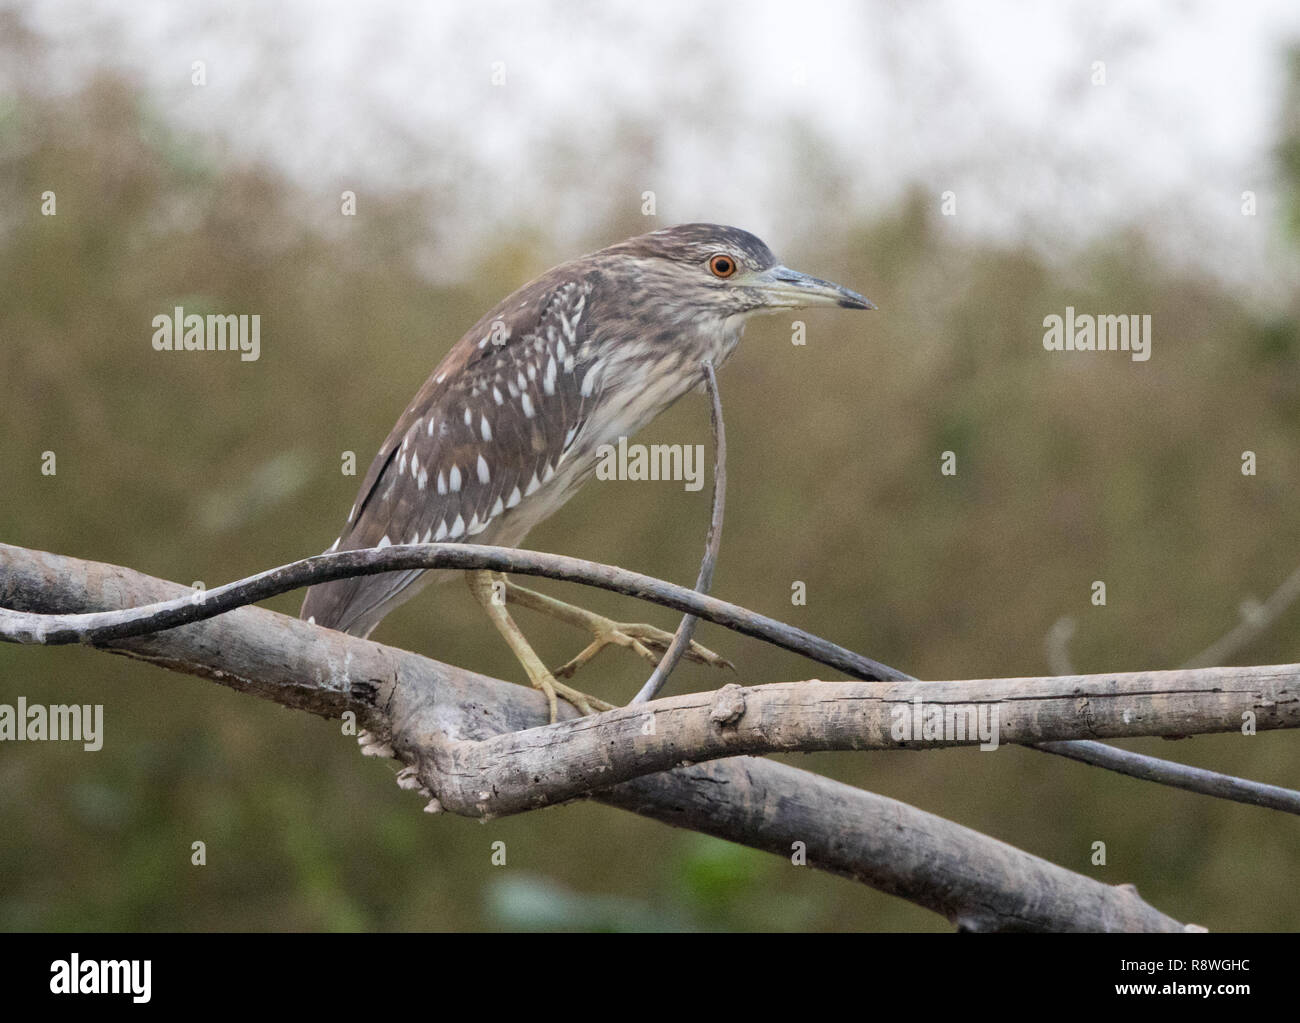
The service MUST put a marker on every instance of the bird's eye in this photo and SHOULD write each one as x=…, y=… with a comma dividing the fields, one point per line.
x=722, y=265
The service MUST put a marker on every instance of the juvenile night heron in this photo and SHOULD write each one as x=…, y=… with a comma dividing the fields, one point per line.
x=507, y=428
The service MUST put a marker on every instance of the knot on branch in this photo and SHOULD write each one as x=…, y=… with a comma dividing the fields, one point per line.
x=365, y=690
x=374, y=745
x=728, y=705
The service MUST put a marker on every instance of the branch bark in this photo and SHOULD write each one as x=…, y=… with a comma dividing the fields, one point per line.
x=526, y=770
x=428, y=711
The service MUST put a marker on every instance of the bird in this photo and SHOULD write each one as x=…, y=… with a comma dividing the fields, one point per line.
x=509, y=424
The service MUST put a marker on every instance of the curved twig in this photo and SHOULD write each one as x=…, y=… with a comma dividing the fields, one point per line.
x=686, y=630
x=1254, y=620
x=96, y=627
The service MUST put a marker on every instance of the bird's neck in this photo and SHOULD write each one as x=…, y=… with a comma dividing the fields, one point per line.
x=675, y=371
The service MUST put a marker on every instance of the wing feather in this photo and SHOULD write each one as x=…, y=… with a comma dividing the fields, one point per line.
x=503, y=412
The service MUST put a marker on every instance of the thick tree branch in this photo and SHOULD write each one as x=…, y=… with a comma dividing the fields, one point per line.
x=425, y=709
x=527, y=770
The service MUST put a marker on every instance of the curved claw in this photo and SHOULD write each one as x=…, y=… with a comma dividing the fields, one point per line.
x=645, y=640
x=558, y=690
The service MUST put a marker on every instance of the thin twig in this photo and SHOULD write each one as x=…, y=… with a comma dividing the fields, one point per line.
x=1167, y=772
x=703, y=582
x=1056, y=645
x=96, y=627
x=1253, y=623
x=1179, y=776
x=1255, y=619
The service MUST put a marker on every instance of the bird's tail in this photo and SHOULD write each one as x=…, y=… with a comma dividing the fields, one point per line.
x=358, y=604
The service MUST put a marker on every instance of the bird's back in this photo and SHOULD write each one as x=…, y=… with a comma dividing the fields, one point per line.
x=482, y=452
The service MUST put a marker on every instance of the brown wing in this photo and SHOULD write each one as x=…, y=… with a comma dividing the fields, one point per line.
x=486, y=431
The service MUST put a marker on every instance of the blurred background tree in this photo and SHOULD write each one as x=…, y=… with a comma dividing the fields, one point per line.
x=202, y=467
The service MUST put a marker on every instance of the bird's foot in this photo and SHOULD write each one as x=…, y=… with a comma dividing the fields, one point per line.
x=585, y=704
x=483, y=585
x=647, y=640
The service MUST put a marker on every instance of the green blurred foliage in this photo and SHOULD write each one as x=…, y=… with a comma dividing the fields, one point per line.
x=202, y=467
x=1288, y=149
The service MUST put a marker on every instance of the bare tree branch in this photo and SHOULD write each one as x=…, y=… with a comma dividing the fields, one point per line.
x=52, y=629
x=424, y=708
x=528, y=770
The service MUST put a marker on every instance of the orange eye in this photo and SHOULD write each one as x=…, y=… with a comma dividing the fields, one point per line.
x=722, y=266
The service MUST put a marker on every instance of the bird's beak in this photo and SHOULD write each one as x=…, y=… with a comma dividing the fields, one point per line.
x=783, y=288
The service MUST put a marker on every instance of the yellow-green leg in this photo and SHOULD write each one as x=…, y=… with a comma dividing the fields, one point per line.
x=646, y=640
x=481, y=585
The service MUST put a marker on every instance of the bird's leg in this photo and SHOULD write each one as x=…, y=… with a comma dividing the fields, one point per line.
x=481, y=585
x=646, y=640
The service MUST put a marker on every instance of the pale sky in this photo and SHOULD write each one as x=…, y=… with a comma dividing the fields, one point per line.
x=991, y=100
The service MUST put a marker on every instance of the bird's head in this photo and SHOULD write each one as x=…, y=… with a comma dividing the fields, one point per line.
x=711, y=270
